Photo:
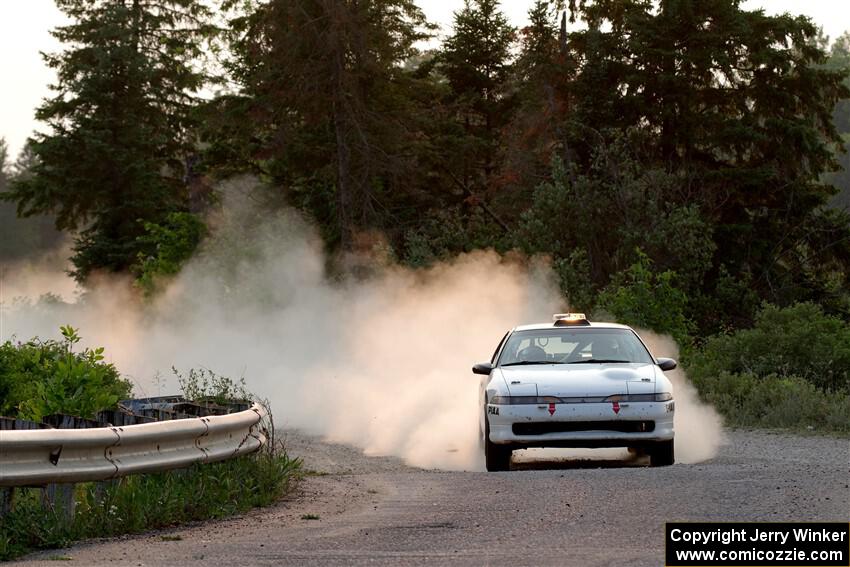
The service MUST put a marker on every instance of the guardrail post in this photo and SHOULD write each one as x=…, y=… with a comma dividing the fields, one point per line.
x=61, y=498
x=7, y=500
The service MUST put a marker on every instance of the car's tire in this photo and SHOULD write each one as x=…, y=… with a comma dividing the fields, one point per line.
x=496, y=457
x=662, y=455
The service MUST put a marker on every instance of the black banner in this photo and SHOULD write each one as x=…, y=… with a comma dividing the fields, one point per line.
x=755, y=544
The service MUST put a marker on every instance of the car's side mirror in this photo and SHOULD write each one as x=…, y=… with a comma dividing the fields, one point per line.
x=666, y=364
x=482, y=368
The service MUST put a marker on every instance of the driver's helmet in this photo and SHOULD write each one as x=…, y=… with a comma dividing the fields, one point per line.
x=532, y=353
x=606, y=348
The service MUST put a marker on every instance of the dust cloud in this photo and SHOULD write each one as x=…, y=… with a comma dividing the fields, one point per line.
x=45, y=274
x=380, y=361
x=699, y=428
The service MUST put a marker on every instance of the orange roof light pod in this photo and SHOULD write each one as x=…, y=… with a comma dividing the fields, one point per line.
x=570, y=319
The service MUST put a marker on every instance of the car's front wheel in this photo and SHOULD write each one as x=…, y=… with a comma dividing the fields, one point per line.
x=496, y=457
x=662, y=454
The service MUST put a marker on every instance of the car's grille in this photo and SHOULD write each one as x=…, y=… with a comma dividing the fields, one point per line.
x=543, y=427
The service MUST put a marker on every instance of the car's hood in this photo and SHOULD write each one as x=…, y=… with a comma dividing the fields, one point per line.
x=580, y=379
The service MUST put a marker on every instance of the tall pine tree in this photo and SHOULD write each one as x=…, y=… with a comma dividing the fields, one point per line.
x=477, y=61
x=119, y=124
x=542, y=76
x=327, y=104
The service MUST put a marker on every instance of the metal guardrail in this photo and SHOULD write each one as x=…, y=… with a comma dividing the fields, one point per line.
x=41, y=456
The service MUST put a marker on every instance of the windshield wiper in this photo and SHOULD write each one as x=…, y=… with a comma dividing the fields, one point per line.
x=531, y=362
x=599, y=361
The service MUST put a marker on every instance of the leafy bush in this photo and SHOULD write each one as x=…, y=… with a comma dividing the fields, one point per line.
x=644, y=297
x=39, y=378
x=774, y=401
x=167, y=247
x=798, y=341
x=204, y=384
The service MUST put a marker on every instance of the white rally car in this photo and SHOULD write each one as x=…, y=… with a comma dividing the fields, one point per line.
x=573, y=383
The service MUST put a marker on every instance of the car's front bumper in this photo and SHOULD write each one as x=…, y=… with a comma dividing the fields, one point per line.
x=633, y=424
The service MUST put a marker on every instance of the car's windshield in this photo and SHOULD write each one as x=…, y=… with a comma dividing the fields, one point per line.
x=573, y=346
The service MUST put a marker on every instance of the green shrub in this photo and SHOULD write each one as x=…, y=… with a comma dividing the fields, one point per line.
x=644, y=297
x=167, y=247
x=204, y=384
x=39, y=378
x=797, y=341
x=774, y=401
x=789, y=371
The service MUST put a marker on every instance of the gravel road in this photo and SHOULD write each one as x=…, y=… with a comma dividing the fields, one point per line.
x=377, y=511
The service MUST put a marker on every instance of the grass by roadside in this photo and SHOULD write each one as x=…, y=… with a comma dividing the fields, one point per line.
x=144, y=502
x=776, y=402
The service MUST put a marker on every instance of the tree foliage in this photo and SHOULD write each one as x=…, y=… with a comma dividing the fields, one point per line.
x=702, y=133
x=645, y=297
x=167, y=246
x=543, y=73
x=712, y=115
x=839, y=60
x=477, y=63
x=120, y=124
x=329, y=103
x=4, y=164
